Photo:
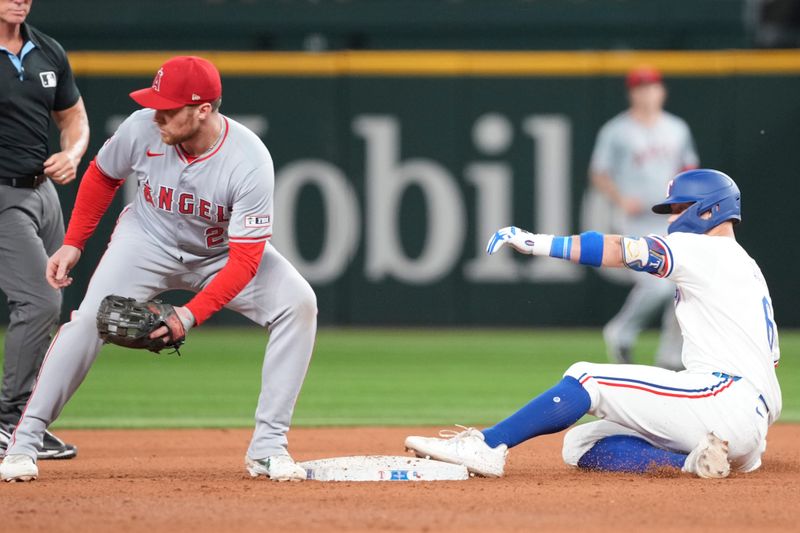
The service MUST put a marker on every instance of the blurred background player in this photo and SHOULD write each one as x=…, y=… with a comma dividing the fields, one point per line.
x=635, y=155
x=37, y=85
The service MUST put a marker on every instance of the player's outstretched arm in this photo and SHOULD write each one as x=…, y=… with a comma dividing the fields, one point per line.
x=590, y=248
x=60, y=264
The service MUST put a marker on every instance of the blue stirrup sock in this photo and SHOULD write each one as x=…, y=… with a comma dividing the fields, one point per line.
x=551, y=411
x=626, y=453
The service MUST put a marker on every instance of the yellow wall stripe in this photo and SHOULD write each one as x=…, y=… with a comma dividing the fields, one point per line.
x=444, y=63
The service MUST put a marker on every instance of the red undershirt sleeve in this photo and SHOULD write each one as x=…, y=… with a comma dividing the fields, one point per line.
x=94, y=196
x=242, y=265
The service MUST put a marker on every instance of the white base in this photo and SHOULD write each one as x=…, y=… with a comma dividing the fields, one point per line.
x=383, y=468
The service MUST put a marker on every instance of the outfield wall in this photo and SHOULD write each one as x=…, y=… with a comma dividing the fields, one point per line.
x=393, y=168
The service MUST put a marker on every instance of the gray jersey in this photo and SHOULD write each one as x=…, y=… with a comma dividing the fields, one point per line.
x=194, y=208
x=641, y=160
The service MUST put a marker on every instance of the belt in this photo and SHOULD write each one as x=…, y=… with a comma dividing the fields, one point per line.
x=28, y=182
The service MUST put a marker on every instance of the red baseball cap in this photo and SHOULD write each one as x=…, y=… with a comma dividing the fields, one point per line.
x=642, y=76
x=183, y=80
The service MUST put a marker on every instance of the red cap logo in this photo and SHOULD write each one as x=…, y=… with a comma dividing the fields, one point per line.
x=183, y=80
x=157, y=80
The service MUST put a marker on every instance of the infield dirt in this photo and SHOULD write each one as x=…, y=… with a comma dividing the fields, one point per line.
x=194, y=480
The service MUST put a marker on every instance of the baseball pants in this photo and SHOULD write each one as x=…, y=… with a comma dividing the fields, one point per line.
x=670, y=410
x=137, y=266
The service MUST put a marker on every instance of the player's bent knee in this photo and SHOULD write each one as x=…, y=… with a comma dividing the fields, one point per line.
x=580, y=370
x=577, y=441
x=305, y=303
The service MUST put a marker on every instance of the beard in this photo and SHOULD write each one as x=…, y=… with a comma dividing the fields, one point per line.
x=172, y=139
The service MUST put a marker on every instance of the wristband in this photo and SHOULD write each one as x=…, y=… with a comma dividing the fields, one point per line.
x=561, y=247
x=591, y=248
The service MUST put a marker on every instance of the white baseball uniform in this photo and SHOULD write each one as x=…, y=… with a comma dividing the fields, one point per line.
x=176, y=235
x=641, y=159
x=730, y=352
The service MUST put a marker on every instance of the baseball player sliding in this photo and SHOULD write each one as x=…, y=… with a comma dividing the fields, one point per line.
x=201, y=221
x=703, y=420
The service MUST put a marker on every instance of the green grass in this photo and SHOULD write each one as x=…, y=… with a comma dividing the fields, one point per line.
x=357, y=377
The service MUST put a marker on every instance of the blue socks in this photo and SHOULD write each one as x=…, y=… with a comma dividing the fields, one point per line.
x=550, y=412
x=625, y=453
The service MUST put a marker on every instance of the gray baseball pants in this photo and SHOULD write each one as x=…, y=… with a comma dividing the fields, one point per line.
x=136, y=266
x=31, y=229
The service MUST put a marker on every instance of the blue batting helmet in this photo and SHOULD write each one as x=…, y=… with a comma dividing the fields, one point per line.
x=708, y=191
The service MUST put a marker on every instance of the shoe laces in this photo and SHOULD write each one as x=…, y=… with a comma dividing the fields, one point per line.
x=454, y=434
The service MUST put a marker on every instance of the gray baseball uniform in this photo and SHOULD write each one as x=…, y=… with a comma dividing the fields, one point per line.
x=175, y=235
x=641, y=160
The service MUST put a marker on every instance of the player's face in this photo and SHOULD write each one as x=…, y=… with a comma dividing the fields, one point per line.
x=648, y=97
x=678, y=209
x=14, y=11
x=178, y=125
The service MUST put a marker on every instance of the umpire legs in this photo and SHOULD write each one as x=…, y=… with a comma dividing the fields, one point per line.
x=31, y=228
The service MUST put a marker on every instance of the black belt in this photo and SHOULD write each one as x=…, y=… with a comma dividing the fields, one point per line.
x=28, y=182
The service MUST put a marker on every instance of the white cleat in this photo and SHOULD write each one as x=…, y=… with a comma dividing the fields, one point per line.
x=275, y=467
x=466, y=448
x=709, y=459
x=18, y=468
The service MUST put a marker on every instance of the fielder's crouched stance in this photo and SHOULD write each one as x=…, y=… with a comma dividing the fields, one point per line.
x=201, y=221
x=704, y=420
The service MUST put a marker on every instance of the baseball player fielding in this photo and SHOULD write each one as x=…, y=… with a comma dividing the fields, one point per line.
x=201, y=221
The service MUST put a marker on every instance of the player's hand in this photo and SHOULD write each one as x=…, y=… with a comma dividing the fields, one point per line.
x=519, y=239
x=61, y=167
x=187, y=321
x=631, y=206
x=60, y=264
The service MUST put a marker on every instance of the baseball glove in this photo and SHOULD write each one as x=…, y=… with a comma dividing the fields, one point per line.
x=126, y=322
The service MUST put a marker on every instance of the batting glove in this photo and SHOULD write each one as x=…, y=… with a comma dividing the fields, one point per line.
x=522, y=241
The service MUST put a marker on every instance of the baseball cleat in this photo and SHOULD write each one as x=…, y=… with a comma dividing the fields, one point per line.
x=55, y=448
x=275, y=467
x=18, y=468
x=709, y=459
x=5, y=438
x=51, y=448
x=466, y=448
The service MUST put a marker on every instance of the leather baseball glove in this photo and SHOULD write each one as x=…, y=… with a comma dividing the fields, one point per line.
x=126, y=322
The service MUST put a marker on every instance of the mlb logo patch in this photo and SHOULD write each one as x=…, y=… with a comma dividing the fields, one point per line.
x=48, y=79
x=257, y=221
